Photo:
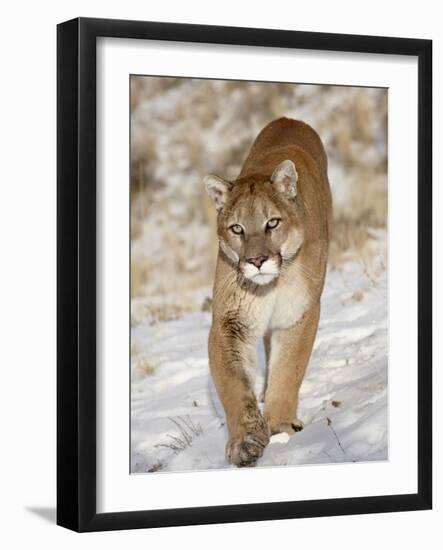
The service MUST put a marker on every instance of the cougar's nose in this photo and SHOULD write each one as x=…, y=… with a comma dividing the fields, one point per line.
x=257, y=261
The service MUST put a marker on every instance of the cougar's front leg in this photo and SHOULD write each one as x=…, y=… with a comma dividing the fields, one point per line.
x=290, y=352
x=232, y=360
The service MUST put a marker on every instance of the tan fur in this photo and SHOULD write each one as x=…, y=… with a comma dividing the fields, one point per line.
x=268, y=282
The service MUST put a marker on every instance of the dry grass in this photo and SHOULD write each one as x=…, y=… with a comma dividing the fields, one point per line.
x=187, y=432
x=182, y=129
x=141, y=366
x=152, y=312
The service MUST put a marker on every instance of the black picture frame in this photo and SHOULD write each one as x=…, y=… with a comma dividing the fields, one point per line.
x=76, y=273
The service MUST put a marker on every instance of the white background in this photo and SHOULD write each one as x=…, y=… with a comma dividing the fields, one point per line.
x=117, y=490
x=27, y=277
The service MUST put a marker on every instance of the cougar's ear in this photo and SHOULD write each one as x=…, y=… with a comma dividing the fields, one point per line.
x=218, y=189
x=285, y=178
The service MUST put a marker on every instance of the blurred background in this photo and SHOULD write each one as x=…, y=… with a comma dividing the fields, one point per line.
x=182, y=129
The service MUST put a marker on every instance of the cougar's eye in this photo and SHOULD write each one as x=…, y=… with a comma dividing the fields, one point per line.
x=273, y=223
x=236, y=228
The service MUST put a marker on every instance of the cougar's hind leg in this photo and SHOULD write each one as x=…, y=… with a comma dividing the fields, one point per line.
x=267, y=346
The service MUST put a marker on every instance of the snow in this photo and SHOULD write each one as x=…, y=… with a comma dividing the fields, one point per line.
x=182, y=130
x=185, y=129
x=177, y=421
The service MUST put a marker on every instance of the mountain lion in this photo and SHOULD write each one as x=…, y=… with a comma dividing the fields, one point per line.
x=273, y=228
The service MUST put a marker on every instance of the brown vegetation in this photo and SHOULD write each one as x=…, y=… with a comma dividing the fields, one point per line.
x=182, y=129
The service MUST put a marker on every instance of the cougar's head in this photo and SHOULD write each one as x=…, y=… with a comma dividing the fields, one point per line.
x=259, y=226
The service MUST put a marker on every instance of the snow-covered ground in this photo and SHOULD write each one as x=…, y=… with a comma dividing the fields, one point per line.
x=181, y=130
x=177, y=422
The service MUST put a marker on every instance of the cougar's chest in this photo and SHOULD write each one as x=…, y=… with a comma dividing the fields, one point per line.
x=289, y=307
x=281, y=309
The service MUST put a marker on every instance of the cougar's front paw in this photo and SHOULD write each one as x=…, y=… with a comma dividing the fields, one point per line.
x=246, y=449
x=290, y=427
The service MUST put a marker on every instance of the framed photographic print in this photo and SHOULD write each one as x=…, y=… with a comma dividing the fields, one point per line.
x=244, y=274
